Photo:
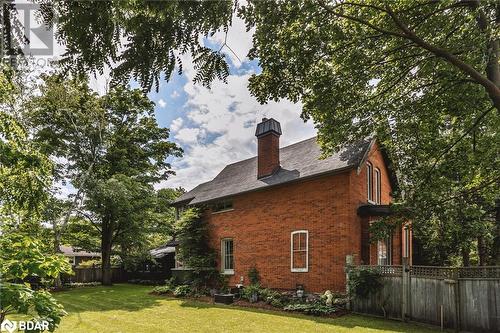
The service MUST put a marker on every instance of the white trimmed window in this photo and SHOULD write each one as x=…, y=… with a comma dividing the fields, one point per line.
x=299, y=247
x=227, y=259
x=406, y=253
x=369, y=181
x=384, y=252
x=376, y=179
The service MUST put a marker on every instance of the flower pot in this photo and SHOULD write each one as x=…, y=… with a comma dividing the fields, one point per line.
x=224, y=298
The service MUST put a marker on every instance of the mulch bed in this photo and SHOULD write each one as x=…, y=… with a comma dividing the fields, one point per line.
x=256, y=305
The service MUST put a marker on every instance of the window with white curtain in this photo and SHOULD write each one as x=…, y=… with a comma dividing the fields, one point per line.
x=299, y=247
x=384, y=252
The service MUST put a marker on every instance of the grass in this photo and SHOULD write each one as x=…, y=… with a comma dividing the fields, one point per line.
x=129, y=308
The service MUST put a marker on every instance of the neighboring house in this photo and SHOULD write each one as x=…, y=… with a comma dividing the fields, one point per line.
x=296, y=217
x=77, y=257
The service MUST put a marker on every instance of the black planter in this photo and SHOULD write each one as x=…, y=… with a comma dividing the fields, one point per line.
x=224, y=298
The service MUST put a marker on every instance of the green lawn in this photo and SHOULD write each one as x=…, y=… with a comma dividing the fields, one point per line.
x=129, y=308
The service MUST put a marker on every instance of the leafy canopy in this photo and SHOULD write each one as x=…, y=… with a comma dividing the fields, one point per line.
x=142, y=39
x=423, y=76
x=23, y=257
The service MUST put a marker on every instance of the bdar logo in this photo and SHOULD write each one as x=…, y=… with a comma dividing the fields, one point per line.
x=8, y=326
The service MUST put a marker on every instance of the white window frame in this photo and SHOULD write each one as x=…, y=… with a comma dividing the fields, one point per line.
x=225, y=270
x=301, y=269
x=376, y=179
x=369, y=182
x=406, y=233
x=388, y=251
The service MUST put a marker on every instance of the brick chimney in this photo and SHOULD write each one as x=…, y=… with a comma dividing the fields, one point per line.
x=268, y=147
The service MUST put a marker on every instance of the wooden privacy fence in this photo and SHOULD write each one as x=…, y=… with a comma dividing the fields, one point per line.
x=464, y=299
x=94, y=274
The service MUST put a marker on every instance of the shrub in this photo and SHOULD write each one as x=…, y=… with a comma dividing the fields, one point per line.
x=160, y=290
x=249, y=293
x=182, y=290
x=90, y=263
x=172, y=282
x=273, y=297
x=253, y=275
x=315, y=309
x=363, y=281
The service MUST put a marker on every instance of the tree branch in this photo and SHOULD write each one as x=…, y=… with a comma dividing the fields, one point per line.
x=450, y=147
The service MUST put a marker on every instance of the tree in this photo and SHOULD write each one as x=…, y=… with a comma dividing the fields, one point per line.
x=23, y=257
x=25, y=176
x=24, y=170
x=142, y=39
x=194, y=249
x=424, y=77
x=121, y=209
x=113, y=149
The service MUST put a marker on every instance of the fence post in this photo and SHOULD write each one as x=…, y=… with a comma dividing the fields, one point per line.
x=458, y=324
x=405, y=313
x=348, y=264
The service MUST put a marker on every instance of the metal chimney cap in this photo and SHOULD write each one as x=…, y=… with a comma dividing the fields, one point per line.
x=268, y=126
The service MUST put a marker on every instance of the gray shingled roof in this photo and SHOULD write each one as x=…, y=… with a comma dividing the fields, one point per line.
x=298, y=161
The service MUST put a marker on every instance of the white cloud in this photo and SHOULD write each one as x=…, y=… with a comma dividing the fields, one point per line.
x=188, y=136
x=176, y=124
x=162, y=103
x=219, y=128
x=174, y=94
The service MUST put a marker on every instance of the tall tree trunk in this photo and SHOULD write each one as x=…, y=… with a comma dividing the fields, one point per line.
x=482, y=251
x=465, y=256
x=57, y=249
x=495, y=253
x=106, y=245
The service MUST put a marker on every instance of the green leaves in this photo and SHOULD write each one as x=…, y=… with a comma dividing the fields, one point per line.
x=24, y=171
x=23, y=256
x=417, y=76
x=194, y=251
x=140, y=39
x=20, y=299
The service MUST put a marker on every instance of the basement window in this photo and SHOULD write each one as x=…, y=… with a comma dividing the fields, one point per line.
x=299, y=248
x=227, y=258
x=222, y=206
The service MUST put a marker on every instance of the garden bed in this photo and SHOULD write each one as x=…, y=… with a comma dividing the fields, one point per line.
x=246, y=304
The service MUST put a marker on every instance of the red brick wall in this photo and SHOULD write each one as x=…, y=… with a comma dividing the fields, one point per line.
x=268, y=153
x=359, y=194
x=261, y=223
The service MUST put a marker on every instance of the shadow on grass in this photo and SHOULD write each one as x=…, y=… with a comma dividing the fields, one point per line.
x=123, y=297
x=347, y=321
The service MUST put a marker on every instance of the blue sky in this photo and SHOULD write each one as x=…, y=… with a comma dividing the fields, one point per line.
x=216, y=126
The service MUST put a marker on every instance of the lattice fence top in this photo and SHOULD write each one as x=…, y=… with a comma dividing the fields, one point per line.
x=439, y=272
x=482, y=272
x=489, y=272
x=384, y=269
x=433, y=272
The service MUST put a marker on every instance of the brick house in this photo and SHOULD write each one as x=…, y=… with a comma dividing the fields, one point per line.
x=295, y=216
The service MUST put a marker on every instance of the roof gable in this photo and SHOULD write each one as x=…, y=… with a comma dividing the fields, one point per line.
x=298, y=161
